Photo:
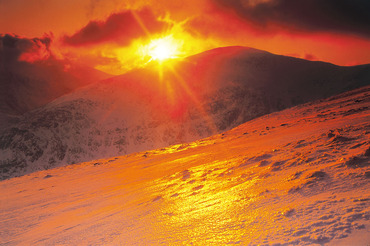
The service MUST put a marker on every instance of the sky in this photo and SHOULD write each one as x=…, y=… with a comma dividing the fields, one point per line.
x=113, y=35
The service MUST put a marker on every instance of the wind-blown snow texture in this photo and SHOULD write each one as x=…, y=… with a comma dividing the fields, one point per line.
x=296, y=177
x=201, y=96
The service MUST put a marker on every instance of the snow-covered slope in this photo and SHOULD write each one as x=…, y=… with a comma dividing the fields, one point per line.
x=158, y=106
x=295, y=177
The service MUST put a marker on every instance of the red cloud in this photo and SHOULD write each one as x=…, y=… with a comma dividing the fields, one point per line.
x=14, y=48
x=310, y=57
x=119, y=28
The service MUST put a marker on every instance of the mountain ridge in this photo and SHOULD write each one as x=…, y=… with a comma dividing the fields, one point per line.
x=144, y=109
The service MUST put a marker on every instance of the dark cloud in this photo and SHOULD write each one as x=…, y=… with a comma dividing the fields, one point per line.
x=14, y=48
x=119, y=28
x=342, y=16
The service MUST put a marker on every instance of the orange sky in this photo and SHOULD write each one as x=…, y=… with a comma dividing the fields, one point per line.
x=109, y=34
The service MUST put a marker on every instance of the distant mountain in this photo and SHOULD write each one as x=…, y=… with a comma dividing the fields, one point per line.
x=25, y=86
x=162, y=105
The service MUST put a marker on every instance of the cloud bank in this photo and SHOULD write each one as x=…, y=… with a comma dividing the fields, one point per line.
x=120, y=28
x=339, y=16
x=14, y=48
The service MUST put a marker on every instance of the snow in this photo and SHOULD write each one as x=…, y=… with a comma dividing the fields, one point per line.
x=201, y=96
x=295, y=177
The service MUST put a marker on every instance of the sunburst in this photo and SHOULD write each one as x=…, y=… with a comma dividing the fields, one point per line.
x=164, y=48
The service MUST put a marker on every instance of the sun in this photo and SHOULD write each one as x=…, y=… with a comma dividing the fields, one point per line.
x=160, y=51
x=164, y=48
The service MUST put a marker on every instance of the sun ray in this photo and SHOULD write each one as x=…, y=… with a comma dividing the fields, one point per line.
x=163, y=48
x=209, y=121
x=141, y=24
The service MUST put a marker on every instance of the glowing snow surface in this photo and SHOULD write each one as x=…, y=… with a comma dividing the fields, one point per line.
x=297, y=177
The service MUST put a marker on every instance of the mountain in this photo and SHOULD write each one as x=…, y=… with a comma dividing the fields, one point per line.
x=25, y=86
x=164, y=104
x=295, y=177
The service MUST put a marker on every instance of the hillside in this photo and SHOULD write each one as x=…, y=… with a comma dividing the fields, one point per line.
x=295, y=177
x=25, y=86
x=157, y=106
